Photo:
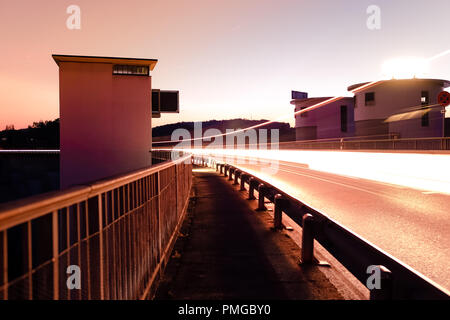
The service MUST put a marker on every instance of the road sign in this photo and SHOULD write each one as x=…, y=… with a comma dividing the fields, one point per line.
x=444, y=98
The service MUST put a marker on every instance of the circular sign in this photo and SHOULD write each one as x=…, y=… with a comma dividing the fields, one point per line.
x=444, y=98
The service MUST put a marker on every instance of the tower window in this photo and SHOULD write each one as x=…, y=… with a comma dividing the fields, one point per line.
x=344, y=118
x=130, y=70
x=303, y=114
x=424, y=99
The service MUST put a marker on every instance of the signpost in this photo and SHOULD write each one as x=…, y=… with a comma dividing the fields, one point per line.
x=444, y=101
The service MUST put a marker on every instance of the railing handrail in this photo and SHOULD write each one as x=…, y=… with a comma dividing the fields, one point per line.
x=16, y=212
x=28, y=151
x=344, y=140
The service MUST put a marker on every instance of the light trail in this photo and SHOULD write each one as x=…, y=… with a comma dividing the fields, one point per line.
x=415, y=112
x=413, y=170
x=439, y=55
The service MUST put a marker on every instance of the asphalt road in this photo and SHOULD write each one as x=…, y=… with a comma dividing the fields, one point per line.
x=412, y=225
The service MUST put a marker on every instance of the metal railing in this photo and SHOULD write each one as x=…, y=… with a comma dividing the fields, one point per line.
x=399, y=281
x=349, y=143
x=371, y=144
x=118, y=232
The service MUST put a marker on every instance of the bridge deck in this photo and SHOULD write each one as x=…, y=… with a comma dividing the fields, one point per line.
x=228, y=251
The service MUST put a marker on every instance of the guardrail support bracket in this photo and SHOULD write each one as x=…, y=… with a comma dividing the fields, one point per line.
x=307, y=255
x=261, y=193
x=237, y=173
x=243, y=177
x=251, y=188
x=230, y=173
x=278, y=211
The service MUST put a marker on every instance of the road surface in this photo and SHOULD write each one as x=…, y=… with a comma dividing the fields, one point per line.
x=412, y=225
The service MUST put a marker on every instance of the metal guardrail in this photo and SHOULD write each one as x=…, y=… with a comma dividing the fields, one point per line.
x=371, y=144
x=353, y=143
x=119, y=232
x=399, y=281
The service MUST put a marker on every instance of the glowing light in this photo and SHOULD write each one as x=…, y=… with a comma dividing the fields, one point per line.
x=404, y=169
x=405, y=68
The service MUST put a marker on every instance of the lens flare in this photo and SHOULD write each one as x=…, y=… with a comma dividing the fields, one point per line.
x=405, y=68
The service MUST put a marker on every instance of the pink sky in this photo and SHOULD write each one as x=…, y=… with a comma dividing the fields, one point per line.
x=229, y=58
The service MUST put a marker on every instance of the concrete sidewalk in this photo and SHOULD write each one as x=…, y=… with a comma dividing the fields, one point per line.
x=227, y=250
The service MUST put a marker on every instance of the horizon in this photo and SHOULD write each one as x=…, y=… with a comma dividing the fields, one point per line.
x=244, y=64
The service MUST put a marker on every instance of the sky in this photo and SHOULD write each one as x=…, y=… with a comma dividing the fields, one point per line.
x=229, y=59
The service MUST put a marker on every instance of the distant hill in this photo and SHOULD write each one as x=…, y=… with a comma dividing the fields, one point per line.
x=40, y=135
x=162, y=133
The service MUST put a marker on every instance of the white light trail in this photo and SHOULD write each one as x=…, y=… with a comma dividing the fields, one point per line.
x=420, y=171
x=439, y=55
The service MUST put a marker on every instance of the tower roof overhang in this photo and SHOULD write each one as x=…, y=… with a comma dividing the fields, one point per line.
x=111, y=60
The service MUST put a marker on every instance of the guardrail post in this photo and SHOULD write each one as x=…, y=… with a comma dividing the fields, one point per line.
x=385, y=290
x=261, y=192
x=237, y=173
x=225, y=171
x=243, y=177
x=251, y=188
x=221, y=168
x=230, y=173
x=277, y=216
x=307, y=239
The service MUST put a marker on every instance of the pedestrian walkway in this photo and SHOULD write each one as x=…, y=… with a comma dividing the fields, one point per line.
x=227, y=250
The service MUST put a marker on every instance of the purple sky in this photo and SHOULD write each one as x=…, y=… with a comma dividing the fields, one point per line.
x=229, y=58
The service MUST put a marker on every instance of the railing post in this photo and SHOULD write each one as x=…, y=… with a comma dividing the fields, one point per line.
x=261, y=193
x=277, y=216
x=158, y=218
x=385, y=290
x=251, y=188
x=55, y=247
x=307, y=239
x=237, y=173
x=225, y=171
x=243, y=177
x=100, y=236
